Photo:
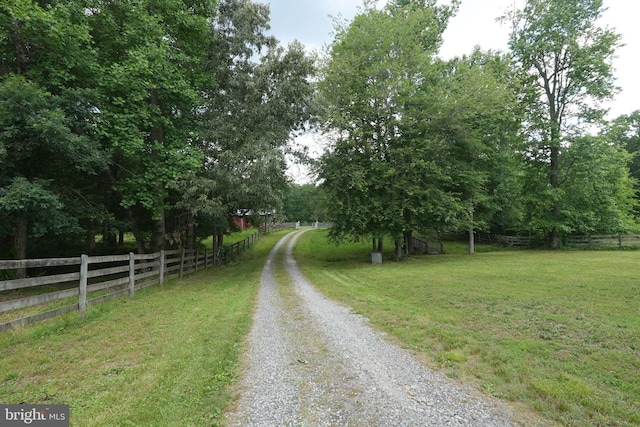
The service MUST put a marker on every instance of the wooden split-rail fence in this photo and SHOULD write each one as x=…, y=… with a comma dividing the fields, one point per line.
x=90, y=280
x=112, y=276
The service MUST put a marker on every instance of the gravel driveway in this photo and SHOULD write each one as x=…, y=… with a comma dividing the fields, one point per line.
x=311, y=362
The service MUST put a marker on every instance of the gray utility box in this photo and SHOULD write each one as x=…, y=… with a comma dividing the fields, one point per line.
x=376, y=257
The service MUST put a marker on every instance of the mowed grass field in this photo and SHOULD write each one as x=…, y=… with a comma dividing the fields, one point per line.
x=556, y=334
x=166, y=358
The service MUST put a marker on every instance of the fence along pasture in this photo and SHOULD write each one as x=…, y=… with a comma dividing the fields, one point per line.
x=619, y=241
x=614, y=240
x=113, y=276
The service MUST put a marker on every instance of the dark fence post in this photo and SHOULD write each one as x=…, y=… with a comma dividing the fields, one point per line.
x=132, y=275
x=84, y=273
x=181, y=263
x=162, y=267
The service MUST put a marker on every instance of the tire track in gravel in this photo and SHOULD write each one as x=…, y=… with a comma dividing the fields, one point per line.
x=312, y=362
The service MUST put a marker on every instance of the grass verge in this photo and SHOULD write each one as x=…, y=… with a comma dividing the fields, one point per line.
x=554, y=333
x=164, y=358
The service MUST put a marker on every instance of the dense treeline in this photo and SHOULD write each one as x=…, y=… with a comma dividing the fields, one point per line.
x=145, y=116
x=306, y=203
x=163, y=118
x=510, y=142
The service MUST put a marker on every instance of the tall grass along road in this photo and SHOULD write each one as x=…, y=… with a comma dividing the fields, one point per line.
x=312, y=362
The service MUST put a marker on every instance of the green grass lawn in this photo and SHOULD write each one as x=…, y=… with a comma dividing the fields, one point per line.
x=554, y=333
x=165, y=358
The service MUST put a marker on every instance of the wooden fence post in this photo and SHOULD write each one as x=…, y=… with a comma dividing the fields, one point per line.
x=619, y=241
x=181, y=263
x=162, y=267
x=82, y=294
x=206, y=259
x=196, y=262
x=132, y=275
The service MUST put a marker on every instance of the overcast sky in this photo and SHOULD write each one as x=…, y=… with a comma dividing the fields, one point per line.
x=309, y=22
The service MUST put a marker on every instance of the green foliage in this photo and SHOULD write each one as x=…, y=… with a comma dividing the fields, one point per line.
x=305, y=203
x=34, y=201
x=477, y=117
x=625, y=132
x=36, y=143
x=598, y=192
x=379, y=66
x=150, y=56
x=251, y=114
x=117, y=106
x=419, y=142
x=158, y=115
x=563, y=61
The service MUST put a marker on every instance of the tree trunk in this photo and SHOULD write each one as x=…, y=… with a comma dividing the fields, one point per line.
x=555, y=184
x=90, y=241
x=218, y=238
x=20, y=246
x=399, y=242
x=554, y=164
x=137, y=234
x=472, y=240
x=380, y=244
x=408, y=242
x=216, y=251
x=157, y=136
x=191, y=235
x=108, y=238
x=159, y=232
x=20, y=47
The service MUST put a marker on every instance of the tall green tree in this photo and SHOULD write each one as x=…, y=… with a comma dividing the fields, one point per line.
x=564, y=60
x=46, y=119
x=264, y=92
x=477, y=118
x=152, y=55
x=376, y=85
x=182, y=107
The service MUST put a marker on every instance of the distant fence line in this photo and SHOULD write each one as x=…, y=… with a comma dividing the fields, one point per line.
x=426, y=245
x=611, y=240
x=589, y=241
x=117, y=275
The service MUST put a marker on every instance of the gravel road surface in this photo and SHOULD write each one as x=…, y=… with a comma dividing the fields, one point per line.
x=312, y=362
